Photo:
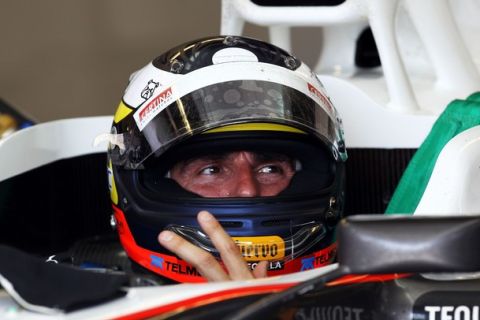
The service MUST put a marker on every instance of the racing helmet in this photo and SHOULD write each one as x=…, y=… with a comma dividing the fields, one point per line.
x=221, y=94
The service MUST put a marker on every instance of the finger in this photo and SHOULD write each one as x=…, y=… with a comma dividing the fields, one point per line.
x=203, y=261
x=260, y=270
x=229, y=251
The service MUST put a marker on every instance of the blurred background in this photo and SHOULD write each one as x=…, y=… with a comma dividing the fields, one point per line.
x=68, y=58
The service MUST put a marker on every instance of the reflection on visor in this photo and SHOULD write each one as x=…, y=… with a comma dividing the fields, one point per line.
x=241, y=101
x=259, y=248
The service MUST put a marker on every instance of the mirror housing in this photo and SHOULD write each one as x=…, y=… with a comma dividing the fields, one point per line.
x=409, y=244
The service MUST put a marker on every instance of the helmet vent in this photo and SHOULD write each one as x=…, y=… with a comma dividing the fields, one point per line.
x=272, y=223
x=231, y=224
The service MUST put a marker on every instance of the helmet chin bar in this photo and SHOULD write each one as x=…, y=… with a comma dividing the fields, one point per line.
x=258, y=248
x=167, y=265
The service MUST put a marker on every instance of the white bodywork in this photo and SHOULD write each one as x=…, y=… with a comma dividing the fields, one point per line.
x=44, y=143
x=454, y=186
x=425, y=61
x=146, y=299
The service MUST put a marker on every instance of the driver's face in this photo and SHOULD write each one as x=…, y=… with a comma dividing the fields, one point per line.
x=235, y=174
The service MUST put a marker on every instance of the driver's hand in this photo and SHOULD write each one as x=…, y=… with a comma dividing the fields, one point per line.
x=204, y=262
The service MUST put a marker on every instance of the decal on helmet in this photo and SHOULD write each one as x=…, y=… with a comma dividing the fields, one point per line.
x=261, y=248
x=147, y=92
x=271, y=266
x=145, y=84
x=146, y=113
x=320, y=258
x=321, y=96
x=122, y=112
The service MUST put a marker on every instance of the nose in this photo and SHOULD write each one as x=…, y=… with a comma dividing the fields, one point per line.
x=246, y=184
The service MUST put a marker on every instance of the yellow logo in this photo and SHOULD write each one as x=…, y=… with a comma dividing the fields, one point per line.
x=261, y=248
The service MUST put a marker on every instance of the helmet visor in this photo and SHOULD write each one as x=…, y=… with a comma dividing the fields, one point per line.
x=226, y=103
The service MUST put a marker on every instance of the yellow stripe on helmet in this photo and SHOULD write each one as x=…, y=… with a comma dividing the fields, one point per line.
x=122, y=112
x=261, y=126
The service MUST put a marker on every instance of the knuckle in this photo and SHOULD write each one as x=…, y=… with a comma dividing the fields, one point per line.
x=230, y=247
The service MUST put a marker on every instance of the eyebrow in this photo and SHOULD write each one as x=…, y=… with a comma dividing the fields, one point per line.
x=209, y=157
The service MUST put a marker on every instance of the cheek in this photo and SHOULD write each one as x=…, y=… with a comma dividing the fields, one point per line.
x=209, y=187
x=267, y=190
x=214, y=193
x=275, y=185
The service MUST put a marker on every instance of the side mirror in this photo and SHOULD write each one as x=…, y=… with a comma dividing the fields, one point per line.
x=409, y=244
x=382, y=244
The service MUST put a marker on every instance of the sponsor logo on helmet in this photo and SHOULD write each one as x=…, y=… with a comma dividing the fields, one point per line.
x=147, y=92
x=150, y=110
x=261, y=248
x=320, y=259
x=320, y=96
x=156, y=261
x=164, y=265
x=308, y=263
x=272, y=265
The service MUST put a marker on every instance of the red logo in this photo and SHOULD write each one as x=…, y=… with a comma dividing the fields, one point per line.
x=321, y=96
x=154, y=105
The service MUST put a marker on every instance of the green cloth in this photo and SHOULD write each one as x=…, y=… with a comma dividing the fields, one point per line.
x=457, y=117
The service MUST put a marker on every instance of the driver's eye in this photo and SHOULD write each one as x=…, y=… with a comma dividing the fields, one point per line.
x=270, y=169
x=210, y=170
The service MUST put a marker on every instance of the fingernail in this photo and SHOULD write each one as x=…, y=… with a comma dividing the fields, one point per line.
x=166, y=236
x=205, y=216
